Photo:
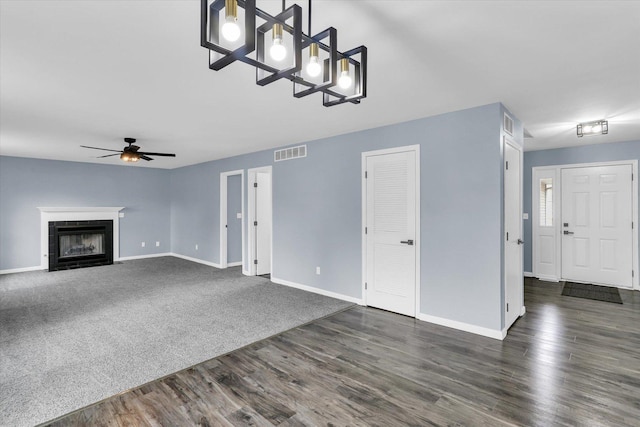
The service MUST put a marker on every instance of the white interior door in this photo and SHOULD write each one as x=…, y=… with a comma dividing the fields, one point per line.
x=597, y=229
x=262, y=223
x=391, y=280
x=513, y=235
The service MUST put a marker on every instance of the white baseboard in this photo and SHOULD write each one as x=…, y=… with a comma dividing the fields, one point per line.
x=21, y=270
x=199, y=261
x=246, y=272
x=317, y=291
x=523, y=310
x=528, y=274
x=130, y=258
x=461, y=326
x=234, y=264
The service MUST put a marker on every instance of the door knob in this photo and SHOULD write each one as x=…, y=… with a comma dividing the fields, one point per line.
x=520, y=241
x=568, y=232
x=407, y=242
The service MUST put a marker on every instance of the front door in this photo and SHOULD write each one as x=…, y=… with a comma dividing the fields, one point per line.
x=391, y=232
x=597, y=225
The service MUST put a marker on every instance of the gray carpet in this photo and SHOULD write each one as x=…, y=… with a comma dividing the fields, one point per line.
x=71, y=338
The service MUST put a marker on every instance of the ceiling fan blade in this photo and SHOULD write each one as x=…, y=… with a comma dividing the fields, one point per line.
x=104, y=149
x=108, y=155
x=145, y=157
x=156, y=154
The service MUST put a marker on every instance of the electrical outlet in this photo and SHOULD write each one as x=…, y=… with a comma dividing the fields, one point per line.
x=317, y=270
x=157, y=244
x=196, y=246
x=143, y=244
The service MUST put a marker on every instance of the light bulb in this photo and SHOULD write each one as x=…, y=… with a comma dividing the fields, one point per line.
x=345, y=79
x=278, y=50
x=230, y=29
x=313, y=67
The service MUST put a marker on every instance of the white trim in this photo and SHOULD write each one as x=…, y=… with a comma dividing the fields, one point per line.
x=461, y=326
x=319, y=291
x=199, y=261
x=131, y=258
x=418, y=238
x=99, y=213
x=549, y=278
x=523, y=311
x=251, y=178
x=234, y=264
x=223, y=215
x=22, y=270
x=528, y=274
x=635, y=283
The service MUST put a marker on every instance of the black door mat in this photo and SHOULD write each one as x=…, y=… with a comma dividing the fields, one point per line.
x=595, y=292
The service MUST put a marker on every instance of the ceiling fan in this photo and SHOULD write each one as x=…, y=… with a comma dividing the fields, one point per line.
x=130, y=153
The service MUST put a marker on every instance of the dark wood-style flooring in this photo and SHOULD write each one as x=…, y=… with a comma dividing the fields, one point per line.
x=568, y=361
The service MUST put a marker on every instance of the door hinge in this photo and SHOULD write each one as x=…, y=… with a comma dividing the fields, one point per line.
x=507, y=165
x=365, y=174
x=255, y=261
x=507, y=235
x=365, y=230
x=255, y=223
x=633, y=273
x=507, y=307
x=255, y=184
x=365, y=286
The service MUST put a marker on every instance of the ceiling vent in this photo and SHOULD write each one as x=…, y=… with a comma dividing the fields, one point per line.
x=290, y=153
x=508, y=124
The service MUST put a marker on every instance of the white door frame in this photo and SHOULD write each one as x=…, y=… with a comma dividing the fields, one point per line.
x=558, y=213
x=251, y=196
x=223, y=215
x=506, y=140
x=418, y=242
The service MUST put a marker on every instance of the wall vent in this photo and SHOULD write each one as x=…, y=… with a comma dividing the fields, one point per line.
x=508, y=124
x=290, y=153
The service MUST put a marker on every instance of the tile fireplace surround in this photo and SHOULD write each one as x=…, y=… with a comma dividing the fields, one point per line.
x=76, y=214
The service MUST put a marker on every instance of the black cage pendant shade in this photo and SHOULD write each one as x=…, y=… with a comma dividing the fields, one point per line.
x=232, y=30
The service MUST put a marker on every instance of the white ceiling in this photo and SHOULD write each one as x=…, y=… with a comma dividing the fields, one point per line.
x=92, y=72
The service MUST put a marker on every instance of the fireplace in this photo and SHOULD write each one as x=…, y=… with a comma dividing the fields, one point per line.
x=77, y=244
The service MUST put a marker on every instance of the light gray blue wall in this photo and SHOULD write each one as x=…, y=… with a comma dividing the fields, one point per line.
x=195, y=204
x=629, y=150
x=317, y=212
x=234, y=224
x=26, y=184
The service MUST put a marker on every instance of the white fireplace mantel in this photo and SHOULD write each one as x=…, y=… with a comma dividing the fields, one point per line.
x=91, y=213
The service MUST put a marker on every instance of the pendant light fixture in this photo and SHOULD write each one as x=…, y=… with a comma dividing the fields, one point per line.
x=284, y=57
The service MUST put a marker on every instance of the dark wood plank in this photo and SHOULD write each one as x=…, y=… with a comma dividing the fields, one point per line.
x=566, y=362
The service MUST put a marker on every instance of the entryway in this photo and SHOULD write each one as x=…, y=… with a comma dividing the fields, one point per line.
x=584, y=223
x=391, y=229
x=231, y=218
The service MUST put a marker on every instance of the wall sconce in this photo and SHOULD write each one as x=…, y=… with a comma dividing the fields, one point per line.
x=599, y=127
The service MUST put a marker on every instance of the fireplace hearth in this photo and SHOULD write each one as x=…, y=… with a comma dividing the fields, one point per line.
x=78, y=244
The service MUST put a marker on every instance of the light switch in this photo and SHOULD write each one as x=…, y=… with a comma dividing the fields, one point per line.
x=525, y=215
x=120, y=214
x=239, y=215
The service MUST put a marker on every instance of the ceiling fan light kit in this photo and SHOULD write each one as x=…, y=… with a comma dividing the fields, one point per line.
x=599, y=127
x=280, y=54
x=130, y=153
